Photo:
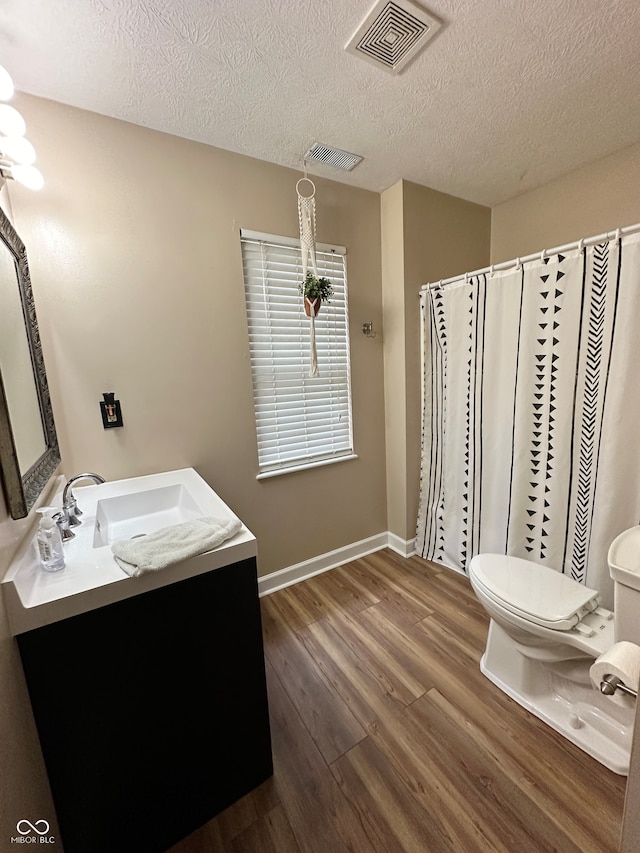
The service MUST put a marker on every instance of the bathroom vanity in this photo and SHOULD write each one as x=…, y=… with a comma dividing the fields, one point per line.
x=149, y=693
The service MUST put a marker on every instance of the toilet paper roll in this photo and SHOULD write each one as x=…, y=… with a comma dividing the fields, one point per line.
x=623, y=661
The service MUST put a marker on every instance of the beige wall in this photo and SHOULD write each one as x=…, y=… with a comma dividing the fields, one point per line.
x=395, y=384
x=426, y=236
x=135, y=259
x=591, y=200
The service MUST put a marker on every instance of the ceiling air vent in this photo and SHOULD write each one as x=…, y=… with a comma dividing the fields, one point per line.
x=332, y=156
x=392, y=34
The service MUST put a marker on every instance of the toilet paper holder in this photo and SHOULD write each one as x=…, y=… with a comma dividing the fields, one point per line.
x=611, y=683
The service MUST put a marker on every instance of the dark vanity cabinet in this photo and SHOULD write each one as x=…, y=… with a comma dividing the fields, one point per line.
x=152, y=711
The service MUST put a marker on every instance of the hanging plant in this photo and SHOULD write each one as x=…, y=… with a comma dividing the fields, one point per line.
x=315, y=291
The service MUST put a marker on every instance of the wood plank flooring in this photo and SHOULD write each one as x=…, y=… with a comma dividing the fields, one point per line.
x=387, y=738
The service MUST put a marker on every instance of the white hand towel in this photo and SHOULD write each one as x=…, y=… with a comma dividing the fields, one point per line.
x=173, y=544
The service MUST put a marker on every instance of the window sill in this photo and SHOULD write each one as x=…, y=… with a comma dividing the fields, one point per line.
x=305, y=466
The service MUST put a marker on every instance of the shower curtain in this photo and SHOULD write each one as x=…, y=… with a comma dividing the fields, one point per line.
x=531, y=412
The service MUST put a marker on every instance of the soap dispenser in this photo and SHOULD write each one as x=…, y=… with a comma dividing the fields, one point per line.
x=49, y=541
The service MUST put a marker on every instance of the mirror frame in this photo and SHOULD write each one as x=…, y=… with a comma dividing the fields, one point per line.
x=22, y=490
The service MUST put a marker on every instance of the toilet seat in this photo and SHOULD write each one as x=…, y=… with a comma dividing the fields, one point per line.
x=532, y=592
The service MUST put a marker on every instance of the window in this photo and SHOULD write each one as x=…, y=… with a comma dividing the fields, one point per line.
x=301, y=420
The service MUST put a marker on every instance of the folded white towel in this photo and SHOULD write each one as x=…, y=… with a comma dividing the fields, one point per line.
x=173, y=544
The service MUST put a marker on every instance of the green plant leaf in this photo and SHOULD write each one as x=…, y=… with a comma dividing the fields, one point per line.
x=316, y=288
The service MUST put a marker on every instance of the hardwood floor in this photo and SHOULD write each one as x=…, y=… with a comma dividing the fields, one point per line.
x=386, y=736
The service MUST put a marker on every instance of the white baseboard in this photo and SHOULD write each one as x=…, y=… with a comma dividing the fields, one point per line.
x=404, y=547
x=331, y=560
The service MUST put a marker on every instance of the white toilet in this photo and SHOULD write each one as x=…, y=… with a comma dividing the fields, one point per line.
x=545, y=632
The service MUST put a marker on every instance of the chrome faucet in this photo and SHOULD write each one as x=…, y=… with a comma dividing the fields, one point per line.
x=70, y=509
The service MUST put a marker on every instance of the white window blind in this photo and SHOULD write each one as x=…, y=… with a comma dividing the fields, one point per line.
x=300, y=420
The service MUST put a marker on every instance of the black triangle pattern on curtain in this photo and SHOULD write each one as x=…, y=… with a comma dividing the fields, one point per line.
x=434, y=426
x=451, y=481
x=543, y=411
x=543, y=408
x=600, y=301
x=472, y=495
x=443, y=338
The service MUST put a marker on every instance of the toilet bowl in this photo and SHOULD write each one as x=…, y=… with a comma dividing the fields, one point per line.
x=545, y=632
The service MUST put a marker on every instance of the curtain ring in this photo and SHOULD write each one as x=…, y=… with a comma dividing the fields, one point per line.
x=617, y=235
x=466, y=278
x=518, y=264
x=542, y=255
x=491, y=271
x=581, y=246
x=309, y=181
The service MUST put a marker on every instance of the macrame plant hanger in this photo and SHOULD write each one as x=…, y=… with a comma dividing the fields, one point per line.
x=307, y=220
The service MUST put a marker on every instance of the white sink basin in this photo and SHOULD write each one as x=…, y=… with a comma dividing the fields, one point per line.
x=128, y=516
x=119, y=509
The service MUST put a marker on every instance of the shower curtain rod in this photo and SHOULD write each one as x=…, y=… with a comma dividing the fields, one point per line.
x=516, y=262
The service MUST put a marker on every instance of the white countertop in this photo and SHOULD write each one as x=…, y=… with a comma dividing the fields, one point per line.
x=91, y=577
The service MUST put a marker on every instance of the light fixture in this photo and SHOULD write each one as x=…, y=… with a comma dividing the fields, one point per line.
x=18, y=149
x=16, y=153
x=28, y=176
x=11, y=122
x=6, y=85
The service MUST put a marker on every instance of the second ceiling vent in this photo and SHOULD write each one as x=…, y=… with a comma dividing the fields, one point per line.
x=392, y=34
x=331, y=156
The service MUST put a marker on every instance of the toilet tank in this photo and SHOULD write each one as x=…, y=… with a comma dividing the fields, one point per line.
x=624, y=568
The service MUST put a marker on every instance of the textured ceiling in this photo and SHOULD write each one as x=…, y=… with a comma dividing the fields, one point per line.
x=508, y=95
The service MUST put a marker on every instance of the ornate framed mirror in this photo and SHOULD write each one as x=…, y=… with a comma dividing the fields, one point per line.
x=29, y=450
